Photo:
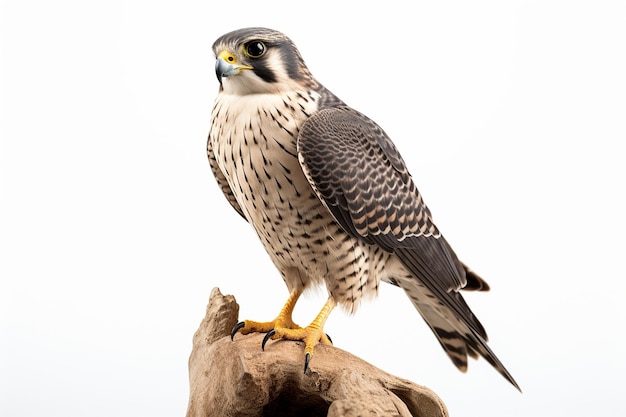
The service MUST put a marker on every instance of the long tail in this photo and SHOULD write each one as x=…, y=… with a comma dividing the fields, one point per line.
x=459, y=332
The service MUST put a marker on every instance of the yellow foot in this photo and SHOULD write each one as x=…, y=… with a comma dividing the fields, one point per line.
x=282, y=321
x=283, y=327
x=249, y=326
x=311, y=335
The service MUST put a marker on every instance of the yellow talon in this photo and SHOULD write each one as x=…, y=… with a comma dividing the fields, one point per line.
x=283, y=320
x=283, y=327
x=311, y=335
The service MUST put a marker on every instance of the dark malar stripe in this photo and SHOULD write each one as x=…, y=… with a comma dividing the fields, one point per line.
x=265, y=74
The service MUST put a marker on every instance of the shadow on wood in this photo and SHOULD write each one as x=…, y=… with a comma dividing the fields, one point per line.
x=239, y=379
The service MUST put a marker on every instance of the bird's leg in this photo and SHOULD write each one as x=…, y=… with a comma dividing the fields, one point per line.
x=283, y=320
x=311, y=335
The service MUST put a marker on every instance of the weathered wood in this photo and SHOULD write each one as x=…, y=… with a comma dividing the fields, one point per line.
x=239, y=379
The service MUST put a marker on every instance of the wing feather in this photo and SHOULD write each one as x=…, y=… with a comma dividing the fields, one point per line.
x=359, y=175
x=221, y=180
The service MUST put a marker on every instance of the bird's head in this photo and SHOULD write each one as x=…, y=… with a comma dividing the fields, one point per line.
x=258, y=61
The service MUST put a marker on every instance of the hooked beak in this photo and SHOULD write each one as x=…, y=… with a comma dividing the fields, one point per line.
x=226, y=66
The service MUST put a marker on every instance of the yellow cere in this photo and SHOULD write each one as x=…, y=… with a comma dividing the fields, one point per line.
x=228, y=57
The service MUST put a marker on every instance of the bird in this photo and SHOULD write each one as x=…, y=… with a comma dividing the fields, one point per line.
x=330, y=198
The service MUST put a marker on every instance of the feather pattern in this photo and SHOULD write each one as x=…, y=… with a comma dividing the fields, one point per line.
x=359, y=175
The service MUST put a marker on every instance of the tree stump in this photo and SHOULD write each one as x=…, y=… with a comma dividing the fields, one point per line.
x=236, y=378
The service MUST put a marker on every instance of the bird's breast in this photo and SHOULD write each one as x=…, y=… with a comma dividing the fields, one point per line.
x=254, y=141
x=255, y=146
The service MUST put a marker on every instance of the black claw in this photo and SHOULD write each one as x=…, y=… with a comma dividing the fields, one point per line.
x=235, y=329
x=307, y=359
x=267, y=337
x=331, y=340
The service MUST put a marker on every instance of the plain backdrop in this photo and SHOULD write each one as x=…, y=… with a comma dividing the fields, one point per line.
x=510, y=115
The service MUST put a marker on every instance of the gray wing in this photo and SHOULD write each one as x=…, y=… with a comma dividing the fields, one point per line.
x=361, y=178
x=221, y=179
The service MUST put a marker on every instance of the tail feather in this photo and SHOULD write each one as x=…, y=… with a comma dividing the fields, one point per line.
x=453, y=333
x=474, y=282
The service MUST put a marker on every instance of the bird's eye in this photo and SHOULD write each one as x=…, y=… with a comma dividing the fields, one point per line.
x=254, y=49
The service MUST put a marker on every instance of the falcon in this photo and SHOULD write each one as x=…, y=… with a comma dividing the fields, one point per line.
x=330, y=198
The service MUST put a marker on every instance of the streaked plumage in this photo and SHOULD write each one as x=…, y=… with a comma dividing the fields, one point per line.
x=329, y=195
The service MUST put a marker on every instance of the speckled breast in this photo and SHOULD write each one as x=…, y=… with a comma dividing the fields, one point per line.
x=255, y=148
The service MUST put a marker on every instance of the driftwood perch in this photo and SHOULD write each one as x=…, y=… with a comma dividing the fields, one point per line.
x=238, y=379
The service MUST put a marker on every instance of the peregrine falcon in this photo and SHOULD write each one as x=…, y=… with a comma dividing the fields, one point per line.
x=330, y=198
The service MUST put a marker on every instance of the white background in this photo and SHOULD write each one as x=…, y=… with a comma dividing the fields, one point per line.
x=511, y=117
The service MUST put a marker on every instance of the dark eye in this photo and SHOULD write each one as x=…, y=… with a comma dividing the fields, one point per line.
x=254, y=49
